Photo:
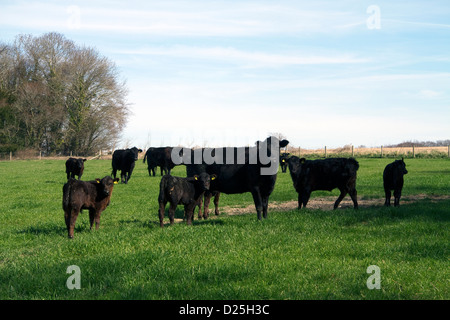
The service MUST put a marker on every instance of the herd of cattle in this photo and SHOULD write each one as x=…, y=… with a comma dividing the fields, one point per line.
x=204, y=181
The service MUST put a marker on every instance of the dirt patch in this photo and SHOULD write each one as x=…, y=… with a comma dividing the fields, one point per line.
x=326, y=203
x=323, y=203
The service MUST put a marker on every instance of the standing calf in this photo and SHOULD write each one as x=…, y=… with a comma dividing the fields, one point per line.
x=74, y=167
x=284, y=157
x=393, y=180
x=327, y=174
x=91, y=195
x=185, y=191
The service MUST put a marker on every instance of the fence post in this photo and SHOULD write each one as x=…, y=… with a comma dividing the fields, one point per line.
x=381, y=151
x=448, y=148
x=325, y=151
x=414, y=152
x=299, y=152
x=353, y=152
x=10, y=156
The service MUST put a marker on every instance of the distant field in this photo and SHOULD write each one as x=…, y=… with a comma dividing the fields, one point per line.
x=317, y=253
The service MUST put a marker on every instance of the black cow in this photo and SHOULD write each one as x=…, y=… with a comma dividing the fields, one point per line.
x=283, y=161
x=159, y=157
x=91, y=195
x=252, y=170
x=326, y=174
x=197, y=169
x=74, y=167
x=124, y=160
x=393, y=180
x=185, y=191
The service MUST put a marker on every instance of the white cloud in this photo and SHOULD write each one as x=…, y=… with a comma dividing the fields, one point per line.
x=247, y=58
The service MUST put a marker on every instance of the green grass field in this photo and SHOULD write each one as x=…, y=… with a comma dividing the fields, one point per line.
x=312, y=254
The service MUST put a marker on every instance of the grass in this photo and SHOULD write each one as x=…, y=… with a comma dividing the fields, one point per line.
x=313, y=254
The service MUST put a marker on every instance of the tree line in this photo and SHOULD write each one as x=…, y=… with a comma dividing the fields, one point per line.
x=58, y=97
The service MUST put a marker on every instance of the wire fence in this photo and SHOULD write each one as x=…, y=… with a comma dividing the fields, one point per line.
x=377, y=152
x=347, y=151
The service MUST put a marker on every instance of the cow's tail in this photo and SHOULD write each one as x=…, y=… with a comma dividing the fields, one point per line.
x=145, y=156
x=67, y=188
x=351, y=167
x=162, y=187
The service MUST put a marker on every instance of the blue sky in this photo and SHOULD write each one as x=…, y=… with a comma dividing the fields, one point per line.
x=228, y=73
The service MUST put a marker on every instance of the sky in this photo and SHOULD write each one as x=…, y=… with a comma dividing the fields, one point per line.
x=228, y=73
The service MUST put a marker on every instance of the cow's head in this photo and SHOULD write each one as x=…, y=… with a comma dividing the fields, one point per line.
x=79, y=163
x=203, y=180
x=401, y=165
x=105, y=186
x=135, y=152
x=268, y=154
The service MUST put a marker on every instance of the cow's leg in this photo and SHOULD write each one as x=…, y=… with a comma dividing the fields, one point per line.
x=172, y=209
x=303, y=198
x=216, y=203
x=387, y=194
x=339, y=199
x=91, y=217
x=162, y=208
x=200, y=205
x=353, y=194
x=300, y=201
x=258, y=201
x=67, y=217
x=265, y=203
x=94, y=216
x=397, y=195
x=189, y=213
x=208, y=196
x=114, y=172
x=72, y=219
x=97, y=219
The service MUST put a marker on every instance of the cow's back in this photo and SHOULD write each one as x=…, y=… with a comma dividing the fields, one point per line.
x=328, y=174
x=78, y=194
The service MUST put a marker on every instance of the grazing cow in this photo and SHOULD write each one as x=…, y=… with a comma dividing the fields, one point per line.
x=252, y=170
x=186, y=191
x=327, y=174
x=124, y=160
x=283, y=161
x=393, y=180
x=74, y=167
x=91, y=195
x=159, y=157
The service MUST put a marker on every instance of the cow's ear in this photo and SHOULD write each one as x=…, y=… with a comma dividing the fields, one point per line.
x=98, y=180
x=213, y=177
x=196, y=177
x=284, y=143
x=84, y=160
x=302, y=160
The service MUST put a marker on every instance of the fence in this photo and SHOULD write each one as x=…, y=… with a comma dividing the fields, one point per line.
x=379, y=152
x=38, y=155
x=347, y=151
